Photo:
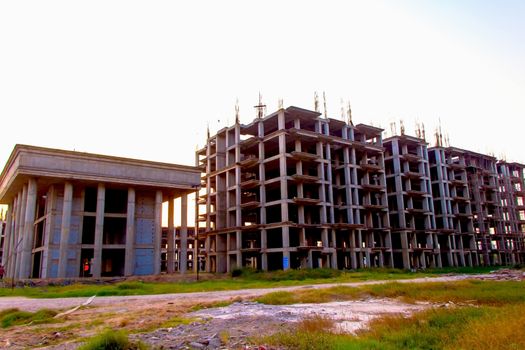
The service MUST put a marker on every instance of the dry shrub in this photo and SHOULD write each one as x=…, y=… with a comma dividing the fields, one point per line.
x=316, y=324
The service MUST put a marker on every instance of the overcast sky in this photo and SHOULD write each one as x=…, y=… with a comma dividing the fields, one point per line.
x=143, y=79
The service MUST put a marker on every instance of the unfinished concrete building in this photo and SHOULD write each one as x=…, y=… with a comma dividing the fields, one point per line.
x=415, y=242
x=485, y=202
x=511, y=178
x=194, y=248
x=73, y=214
x=294, y=189
x=452, y=207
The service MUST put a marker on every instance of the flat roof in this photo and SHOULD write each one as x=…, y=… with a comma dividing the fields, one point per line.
x=51, y=165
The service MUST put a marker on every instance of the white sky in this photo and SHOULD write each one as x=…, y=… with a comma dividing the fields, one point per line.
x=142, y=79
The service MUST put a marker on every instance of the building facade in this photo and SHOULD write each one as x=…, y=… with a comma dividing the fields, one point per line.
x=295, y=189
x=73, y=214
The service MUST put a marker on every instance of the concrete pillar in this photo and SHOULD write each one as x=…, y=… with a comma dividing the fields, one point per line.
x=353, y=253
x=334, y=251
x=183, y=257
x=324, y=237
x=19, y=231
x=50, y=223
x=238, y=238
x=28, y=233
x=264, y=246
x=196, y=260
x=129, y=264
x=157, y=241
x=286, y=246
x=405, y=246
x=449, y=254
x=310, y=260
x=96, y=267
x=170, y=253
x=8, y=238
x=207, y=247
x=65, y=229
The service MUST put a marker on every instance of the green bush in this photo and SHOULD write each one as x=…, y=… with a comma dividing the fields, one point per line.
x=111, y=340
x=131, y=285
x=236, y=272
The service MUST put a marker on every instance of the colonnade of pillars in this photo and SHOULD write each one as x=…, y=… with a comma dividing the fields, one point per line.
x=20, y=229
x=18, y=240
x=183, y=249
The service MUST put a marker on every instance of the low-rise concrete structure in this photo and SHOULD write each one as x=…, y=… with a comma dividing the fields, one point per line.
x=74, y=214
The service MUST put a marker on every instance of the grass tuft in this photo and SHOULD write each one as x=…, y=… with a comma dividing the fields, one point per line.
x=131, y=286
x=112, y=340
x=15, y=317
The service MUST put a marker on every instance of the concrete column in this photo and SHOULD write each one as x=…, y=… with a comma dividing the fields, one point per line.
x=324, y=237
x=170, y=253
x=129, y=265
x=96, y=267
x=12, y=240
x=331, y=215
x=183, y=258
x=450, y=257
x=264, y=247
x=25, y=268
x=353, y=253
x=158, y=232
x=50, y=224
x=14, y=225
x=19, y=230
x=207, y=249
x=238, y=238
x=8, y=238
x=196, y=261
x=334, y=251
x=286, y=245
x=65, y=229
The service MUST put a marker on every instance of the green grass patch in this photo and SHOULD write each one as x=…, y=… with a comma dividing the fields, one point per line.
x=469, y=291
x=246, y=279
x=112, y=340
x=15, y=317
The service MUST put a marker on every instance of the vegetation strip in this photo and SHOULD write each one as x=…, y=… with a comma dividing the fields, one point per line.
x=246, y=279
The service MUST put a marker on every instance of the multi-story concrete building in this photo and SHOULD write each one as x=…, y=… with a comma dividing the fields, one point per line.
x=194, y=248
x=297, y=189
x=452, y=207
x=294, y=189
x=414, y=239
x=76, y=214
x=511, y=180
x=485, y=205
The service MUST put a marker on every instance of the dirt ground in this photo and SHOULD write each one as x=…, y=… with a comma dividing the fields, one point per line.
x=208, y=328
